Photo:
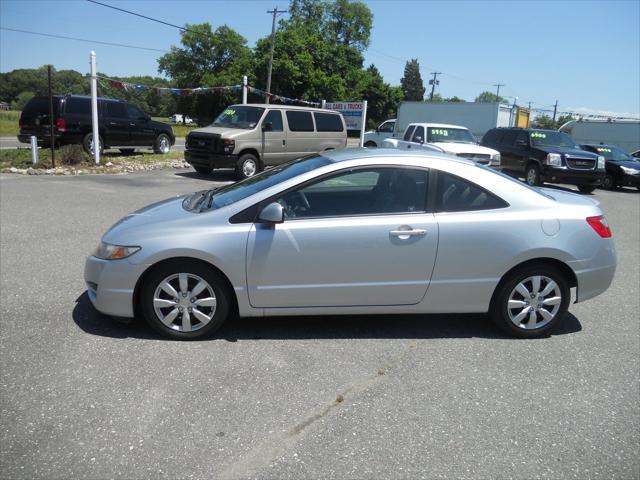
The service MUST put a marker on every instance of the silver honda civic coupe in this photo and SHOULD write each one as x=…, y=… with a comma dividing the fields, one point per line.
x=356, y=231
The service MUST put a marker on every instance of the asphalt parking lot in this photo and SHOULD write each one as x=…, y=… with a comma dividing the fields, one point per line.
x=83, y=396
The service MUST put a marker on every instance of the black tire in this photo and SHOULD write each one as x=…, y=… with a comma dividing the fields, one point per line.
x=500, y=313
x=191, y=267
x=370, y=144
x=586, y=188
x=162, y=144
x=203, y=170
x=532, y=175
x=608, y=182
x=86, y=144
x=127, y=151
x=248, y=165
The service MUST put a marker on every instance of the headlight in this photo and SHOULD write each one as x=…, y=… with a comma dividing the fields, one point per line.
x=107, y=251
x=600, y=162
x=554, y=159
x=228, y=145
x=630, y=171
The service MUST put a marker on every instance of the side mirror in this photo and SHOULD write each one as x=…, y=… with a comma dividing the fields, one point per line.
x=267, y=127
x=272, y=214
x=147, y=117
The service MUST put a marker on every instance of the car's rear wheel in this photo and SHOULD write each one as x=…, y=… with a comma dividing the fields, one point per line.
x=185, y=300
x=203, y=170
x=531, y=301
x=87, y=144
x=247, y=166
x=586, y=188
x=608, y=182
x=370, y=144
x=532, y=175
x=162, y=144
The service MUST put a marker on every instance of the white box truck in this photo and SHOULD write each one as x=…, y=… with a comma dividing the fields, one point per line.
x=622, y=133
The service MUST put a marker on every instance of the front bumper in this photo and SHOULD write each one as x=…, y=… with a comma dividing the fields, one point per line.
x=111, y=284
x=572, y=176
x=211, y=160
x=629, y=180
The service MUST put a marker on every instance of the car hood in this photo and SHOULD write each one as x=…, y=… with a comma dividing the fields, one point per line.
x=575, y=152
x=464, y=148
x=223, y=132
x=164, y=211
x=625, y=163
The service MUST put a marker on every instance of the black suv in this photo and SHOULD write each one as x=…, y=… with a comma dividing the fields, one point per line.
x=545, y=155
x=622, y=169
x=121, y=124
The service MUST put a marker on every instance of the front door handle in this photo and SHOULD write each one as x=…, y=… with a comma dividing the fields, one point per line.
x=405, y=234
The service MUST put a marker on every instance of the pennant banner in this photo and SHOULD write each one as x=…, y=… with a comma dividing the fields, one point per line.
x=278, y=98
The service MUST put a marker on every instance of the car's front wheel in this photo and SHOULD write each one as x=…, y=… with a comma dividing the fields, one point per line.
x=608, y=182
x=370, y=144
x=247, y=166
x=532, y=175
x=185, y=300
x=531, y=301
x=162, y=144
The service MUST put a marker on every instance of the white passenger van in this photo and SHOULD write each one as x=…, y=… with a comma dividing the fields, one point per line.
x=252, y=136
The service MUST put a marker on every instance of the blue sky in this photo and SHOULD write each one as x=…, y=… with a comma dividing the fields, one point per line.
x=586, y=54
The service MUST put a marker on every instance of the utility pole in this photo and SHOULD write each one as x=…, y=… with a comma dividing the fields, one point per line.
x=555, y=110
x=433, y=83
x=530, y=103
x=51, y=129
x=275, y=12
x=498, y=85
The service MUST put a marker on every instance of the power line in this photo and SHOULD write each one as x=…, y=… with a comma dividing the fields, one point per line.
x=83, y=40
x=145, y=17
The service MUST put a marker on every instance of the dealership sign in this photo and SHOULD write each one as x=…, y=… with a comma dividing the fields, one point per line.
x=351, y=111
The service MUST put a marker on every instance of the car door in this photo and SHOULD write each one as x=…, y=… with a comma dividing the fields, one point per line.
x=301, y=139
x=359, y=237
x=116, y=124
x=274, y=138
x=507, y=151
x=140, y=133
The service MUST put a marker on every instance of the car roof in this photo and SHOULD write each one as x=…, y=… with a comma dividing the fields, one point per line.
x=361, y=153
x=598, y=145
x=282, y=107
x=439, y=125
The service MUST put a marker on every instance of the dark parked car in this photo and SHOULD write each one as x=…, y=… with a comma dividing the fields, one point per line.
x=121, y=124
x=622, y=169
x=546, y=156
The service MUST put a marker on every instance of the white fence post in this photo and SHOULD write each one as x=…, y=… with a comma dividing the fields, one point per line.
x=34, y=149
x=244, y=90
x=94, y=109
x=364, y=123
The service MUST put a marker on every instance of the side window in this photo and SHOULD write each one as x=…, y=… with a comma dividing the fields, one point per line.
x=418, y=135
x=275, y=118
x=522, y=137
x=78, y=106
x=509, y=138
x=456, y=194
x=369, y=191
x=134, y=112
x=299, y=121
x=387, y=127
x=116, y=110
x=408, y=133
x=328, y=122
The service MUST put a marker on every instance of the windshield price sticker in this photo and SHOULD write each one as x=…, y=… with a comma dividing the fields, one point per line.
x=438, y=131
x=229, y=111
x=538, y=135
x=600, y=149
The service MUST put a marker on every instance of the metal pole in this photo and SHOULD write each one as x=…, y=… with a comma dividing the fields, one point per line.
x=34, y=149
x=275, y=13
x=244, y=90
x=51, y=122
x=94, y=109
x=323, y=104
x=555, y=110
x=364, y=123
x=498, y=85
x=433, y=85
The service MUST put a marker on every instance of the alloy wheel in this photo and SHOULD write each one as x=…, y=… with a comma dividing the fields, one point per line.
x=534, y=302
x=164, y=144
x=249, y=168
x=184, y=302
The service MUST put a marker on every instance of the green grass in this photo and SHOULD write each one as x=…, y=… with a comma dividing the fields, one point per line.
x=9, y=123
x=179, y=130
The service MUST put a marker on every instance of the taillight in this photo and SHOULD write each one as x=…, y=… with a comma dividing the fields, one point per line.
x=600, y=225
x=61, y=125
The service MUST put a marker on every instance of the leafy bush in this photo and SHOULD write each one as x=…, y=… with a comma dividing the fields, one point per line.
x=73, y=155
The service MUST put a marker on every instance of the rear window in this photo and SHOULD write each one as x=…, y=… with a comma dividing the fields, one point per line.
x=116, y=110
x=40, y=105
x=407, y=134
x=299, y=121
x=328, y=122
x=81, y=106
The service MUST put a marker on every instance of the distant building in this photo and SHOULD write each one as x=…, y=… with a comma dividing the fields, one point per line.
x=4, y=106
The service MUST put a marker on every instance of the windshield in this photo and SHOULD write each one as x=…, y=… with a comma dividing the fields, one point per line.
x=238, y=116
x=615, y=153
x=449, y=135
x=239, y=191
x=549, y=138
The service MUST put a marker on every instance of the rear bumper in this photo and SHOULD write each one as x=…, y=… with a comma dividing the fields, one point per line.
x=595, y=274
x=572, y=176
x=210, y=160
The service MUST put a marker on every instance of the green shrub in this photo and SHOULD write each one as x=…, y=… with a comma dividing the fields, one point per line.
x=73, y=155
